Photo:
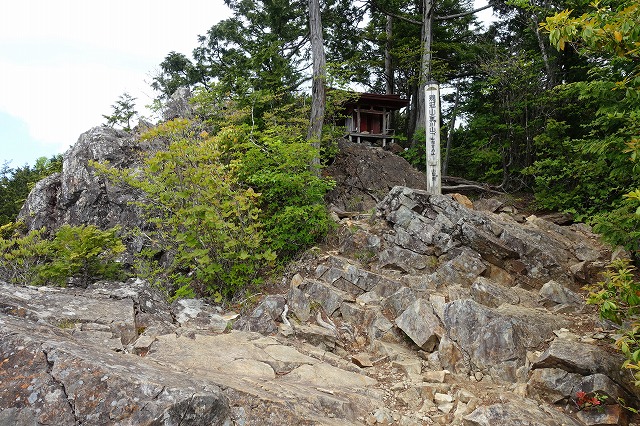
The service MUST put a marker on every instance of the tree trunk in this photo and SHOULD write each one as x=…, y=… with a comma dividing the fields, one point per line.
x=425, y=66
x=551, y=78
x=318, y=90
x=452, y=124
x=388, y=64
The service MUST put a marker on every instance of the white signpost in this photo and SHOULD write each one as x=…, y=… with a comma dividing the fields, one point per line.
x=432, y=100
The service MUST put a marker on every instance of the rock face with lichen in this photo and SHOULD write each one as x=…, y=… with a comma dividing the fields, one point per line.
x=430, y=311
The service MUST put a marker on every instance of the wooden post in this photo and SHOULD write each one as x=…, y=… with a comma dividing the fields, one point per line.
x=432, y=115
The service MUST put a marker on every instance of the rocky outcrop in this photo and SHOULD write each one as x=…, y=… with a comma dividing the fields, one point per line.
x=429, y=312
x=364, y=176
x=78, y=196
x=60, y=364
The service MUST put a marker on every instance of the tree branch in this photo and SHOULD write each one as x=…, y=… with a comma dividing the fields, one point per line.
x=375, y=5
x=460, y=15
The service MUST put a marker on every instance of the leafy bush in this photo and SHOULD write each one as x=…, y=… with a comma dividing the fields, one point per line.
x=291, y=200
x=204, y=222
x=226, y=194
x=81, y=253
x=618, y=298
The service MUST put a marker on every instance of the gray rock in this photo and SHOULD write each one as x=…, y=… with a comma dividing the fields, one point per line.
x=329, y=298
x=78, y=196
x=178, y=105
x=399, y=301
x=196, y=314
x=63, y=308
x=555, y=293
x=364, y=176
x=264, y=316
x=586, y=359
x=463, y=269
x=378, y=326
x=490, y=294
x=405, y=260
x=553, y=385
x=54, y=380
x=525, y=413
x=421, y=325
x=488, y=204
x=496, y=340
x=491, y=340
x=299, y=304
x=609, y=415
x=536, y=251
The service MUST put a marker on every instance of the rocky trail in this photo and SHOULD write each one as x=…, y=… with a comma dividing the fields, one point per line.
x=418, y=310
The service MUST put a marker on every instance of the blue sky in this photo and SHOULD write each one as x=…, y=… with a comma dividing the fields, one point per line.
x=63, y=63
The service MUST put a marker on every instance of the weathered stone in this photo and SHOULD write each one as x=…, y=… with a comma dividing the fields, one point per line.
x=359, y=186
x=463, y=199
x=329, y=298
x=399, y=301
x=264, y=317
x=488, y=204
x=378, y=326
x=411, y=398
x=299, y=304
x=67, y=383
x=78, y=196
x=602, y=385
x=435, y=376
x=353, y=313
x=555, y=293
x=362, y=360
x=492, y=295
x=609, y=415
x=369, y=298
x=538, y=250
x=462, y=270
x=64, y=309
x=585, y=359
x=410, y=367
x=525, y=412
x=553, y=385
x=296, y=280
x=178, y=105
x=316, y=335
x=497, y=340
x=421, y=325
x=405, y=260
x=451, y=356
x=490, y=248
x=499, y=276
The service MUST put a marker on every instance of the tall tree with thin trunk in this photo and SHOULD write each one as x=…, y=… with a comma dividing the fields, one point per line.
x=318, y=90
x=388, y=59
x=425, y=69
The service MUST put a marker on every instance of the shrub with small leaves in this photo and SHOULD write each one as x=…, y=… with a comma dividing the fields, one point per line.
x=81, y=253
x=618, y=298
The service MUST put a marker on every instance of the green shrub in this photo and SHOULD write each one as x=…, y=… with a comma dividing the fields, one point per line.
x=618, y=299
x=227, y=194
x=206, y=231
x=81, y=253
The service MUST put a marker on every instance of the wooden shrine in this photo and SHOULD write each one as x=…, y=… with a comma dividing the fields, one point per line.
x=368, y=117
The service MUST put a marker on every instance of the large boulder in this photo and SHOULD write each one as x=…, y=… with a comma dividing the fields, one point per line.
x=364, y=176
x=496, y=340
x=535, y=252
x=79, y=196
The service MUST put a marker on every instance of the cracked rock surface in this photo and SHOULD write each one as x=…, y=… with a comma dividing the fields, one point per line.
x=430, y=311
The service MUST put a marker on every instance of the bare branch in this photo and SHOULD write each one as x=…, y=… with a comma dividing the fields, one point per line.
x=460, y=15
